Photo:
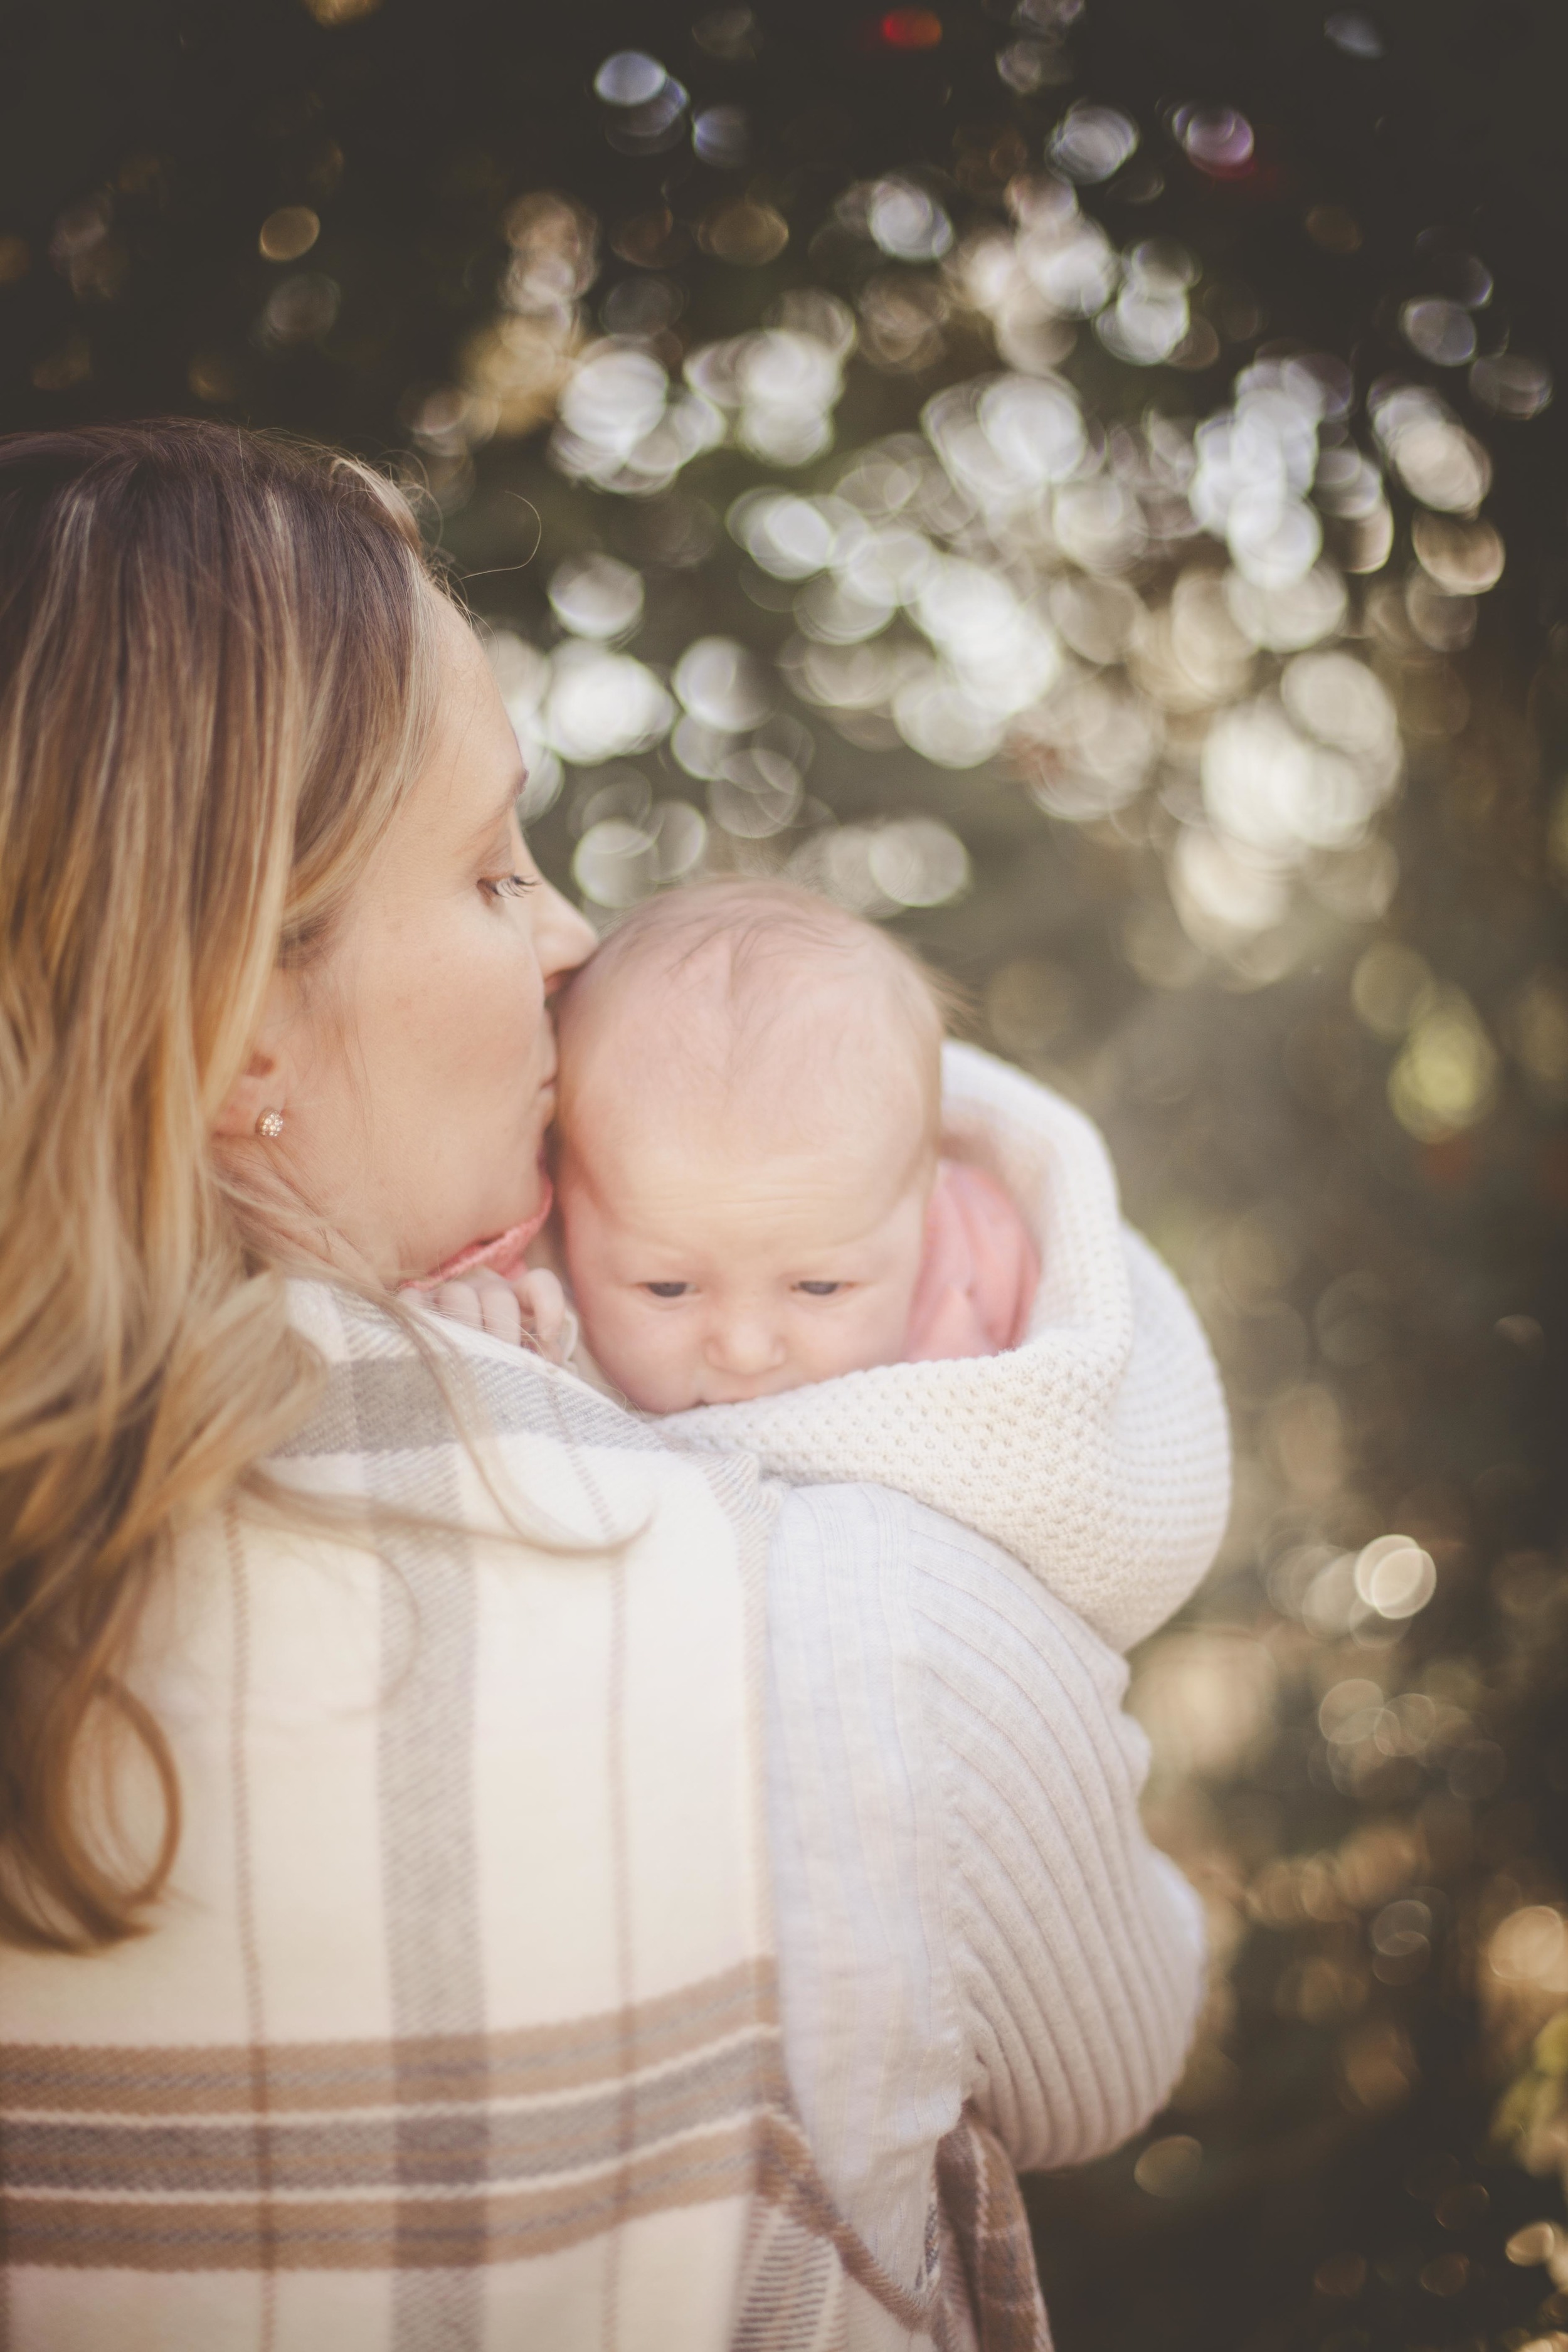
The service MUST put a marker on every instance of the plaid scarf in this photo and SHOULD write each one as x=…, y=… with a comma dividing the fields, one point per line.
x=458, y=2026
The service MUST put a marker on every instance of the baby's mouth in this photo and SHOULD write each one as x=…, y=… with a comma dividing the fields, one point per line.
x=747, y=1391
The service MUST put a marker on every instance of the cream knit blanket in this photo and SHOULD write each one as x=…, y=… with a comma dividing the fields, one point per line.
x=1097, y=1452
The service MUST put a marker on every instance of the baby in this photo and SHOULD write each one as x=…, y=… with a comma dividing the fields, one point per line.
x=751, y=1191
x=799, y=1226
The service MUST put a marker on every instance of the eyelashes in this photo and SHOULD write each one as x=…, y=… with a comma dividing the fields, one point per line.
x=507, y=886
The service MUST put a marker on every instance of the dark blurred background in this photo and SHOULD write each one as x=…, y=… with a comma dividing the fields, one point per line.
x=1078, y=480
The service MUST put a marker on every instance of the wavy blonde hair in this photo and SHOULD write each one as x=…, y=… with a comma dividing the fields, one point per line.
x=216, y=665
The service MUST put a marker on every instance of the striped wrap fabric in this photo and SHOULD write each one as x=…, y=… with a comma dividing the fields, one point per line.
x=457, y=2029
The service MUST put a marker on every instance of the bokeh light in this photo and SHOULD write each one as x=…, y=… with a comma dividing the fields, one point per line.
x=1082, y=486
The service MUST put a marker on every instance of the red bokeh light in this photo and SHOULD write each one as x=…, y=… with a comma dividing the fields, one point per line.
x=910, y=28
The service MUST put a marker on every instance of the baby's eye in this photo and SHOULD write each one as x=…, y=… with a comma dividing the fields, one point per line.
x=667, y=1289
x=819, y=1289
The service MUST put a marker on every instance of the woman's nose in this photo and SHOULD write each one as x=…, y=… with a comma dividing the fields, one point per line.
x=745, y=1345
x=563, y=938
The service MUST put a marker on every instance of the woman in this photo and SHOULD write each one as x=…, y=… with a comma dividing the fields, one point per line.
x=467, y=1875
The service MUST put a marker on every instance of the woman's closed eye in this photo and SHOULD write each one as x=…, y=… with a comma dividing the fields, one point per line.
x=506, y=886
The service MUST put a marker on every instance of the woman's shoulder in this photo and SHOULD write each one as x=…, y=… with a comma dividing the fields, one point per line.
x=414, y=1410
x=413, y=1380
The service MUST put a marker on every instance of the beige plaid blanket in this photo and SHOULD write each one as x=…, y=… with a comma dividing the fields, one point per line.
x=457, y=2029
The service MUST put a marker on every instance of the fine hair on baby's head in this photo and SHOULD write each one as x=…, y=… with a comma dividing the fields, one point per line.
x=757, y=986
x=749, y=1104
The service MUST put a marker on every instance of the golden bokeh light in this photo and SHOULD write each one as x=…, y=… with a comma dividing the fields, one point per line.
x=744, y=232
x=289, y=232
x=1334, y=228
x=1169, y=2166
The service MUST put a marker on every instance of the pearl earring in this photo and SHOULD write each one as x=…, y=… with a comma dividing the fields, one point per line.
x=270, y=1125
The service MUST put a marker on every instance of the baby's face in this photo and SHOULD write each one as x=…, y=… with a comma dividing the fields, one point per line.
x=708, y=1277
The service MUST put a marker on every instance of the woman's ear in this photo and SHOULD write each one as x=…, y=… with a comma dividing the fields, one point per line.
x=267, y=1080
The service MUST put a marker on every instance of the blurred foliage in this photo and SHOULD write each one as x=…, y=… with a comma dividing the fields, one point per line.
x=1312, y=983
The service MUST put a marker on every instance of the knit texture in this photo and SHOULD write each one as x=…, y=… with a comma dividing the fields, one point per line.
x=1099, y=1451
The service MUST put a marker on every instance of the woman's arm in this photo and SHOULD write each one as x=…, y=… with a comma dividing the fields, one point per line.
x=968, y=1909
x=1078, y=1948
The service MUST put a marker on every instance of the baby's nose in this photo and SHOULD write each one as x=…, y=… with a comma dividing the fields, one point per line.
x=745, y=1345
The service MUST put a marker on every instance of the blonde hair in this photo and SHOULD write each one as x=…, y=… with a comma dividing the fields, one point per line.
x=215, y=685
x=749, y=945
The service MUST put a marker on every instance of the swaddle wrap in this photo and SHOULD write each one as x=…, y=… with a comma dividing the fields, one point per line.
x=1097, y=1452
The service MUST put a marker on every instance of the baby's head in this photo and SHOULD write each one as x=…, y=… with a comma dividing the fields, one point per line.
x=749, y=1097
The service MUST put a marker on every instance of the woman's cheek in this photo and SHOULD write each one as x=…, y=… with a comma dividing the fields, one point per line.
x=507, y=1003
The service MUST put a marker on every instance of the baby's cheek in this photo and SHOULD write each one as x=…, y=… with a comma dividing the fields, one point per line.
x=595, y=1308
x=887, y=1330
x=871, y=1334
x=641, y=1352
x=647, y=1363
